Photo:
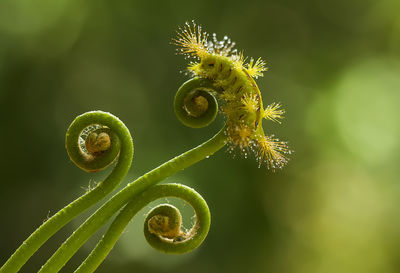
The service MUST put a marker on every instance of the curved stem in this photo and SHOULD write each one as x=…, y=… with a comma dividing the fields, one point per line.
x=130, y=192
x=65, y=215
x=133, y=207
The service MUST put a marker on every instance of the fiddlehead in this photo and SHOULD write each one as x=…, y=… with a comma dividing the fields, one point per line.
x=163, y=221
x=91, y=148
x=162, y=226
x=106, y=127
x=195, y=103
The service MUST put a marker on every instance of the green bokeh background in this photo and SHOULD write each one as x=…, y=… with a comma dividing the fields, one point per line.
x=335, y=67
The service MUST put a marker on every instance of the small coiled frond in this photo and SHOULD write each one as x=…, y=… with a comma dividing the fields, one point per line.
x=162, y=226
x=93, y=141
x=91, y=144
x=164, y=221
x=195, y=103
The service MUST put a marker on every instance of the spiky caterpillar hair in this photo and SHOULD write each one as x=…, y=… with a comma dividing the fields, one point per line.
x=241, y=98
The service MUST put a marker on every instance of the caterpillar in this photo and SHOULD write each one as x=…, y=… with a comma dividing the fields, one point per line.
x=241, y=98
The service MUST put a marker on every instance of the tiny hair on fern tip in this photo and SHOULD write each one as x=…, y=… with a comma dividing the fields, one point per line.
x=96, y=139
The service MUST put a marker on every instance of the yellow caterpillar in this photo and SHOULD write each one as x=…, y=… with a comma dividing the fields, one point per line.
x=241, y=98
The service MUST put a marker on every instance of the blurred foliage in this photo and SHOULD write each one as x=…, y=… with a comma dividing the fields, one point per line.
x=334, y=65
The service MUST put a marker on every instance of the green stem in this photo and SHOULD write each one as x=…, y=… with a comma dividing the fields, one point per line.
x=65, y=215
x=130, y=193
x=108, y=241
